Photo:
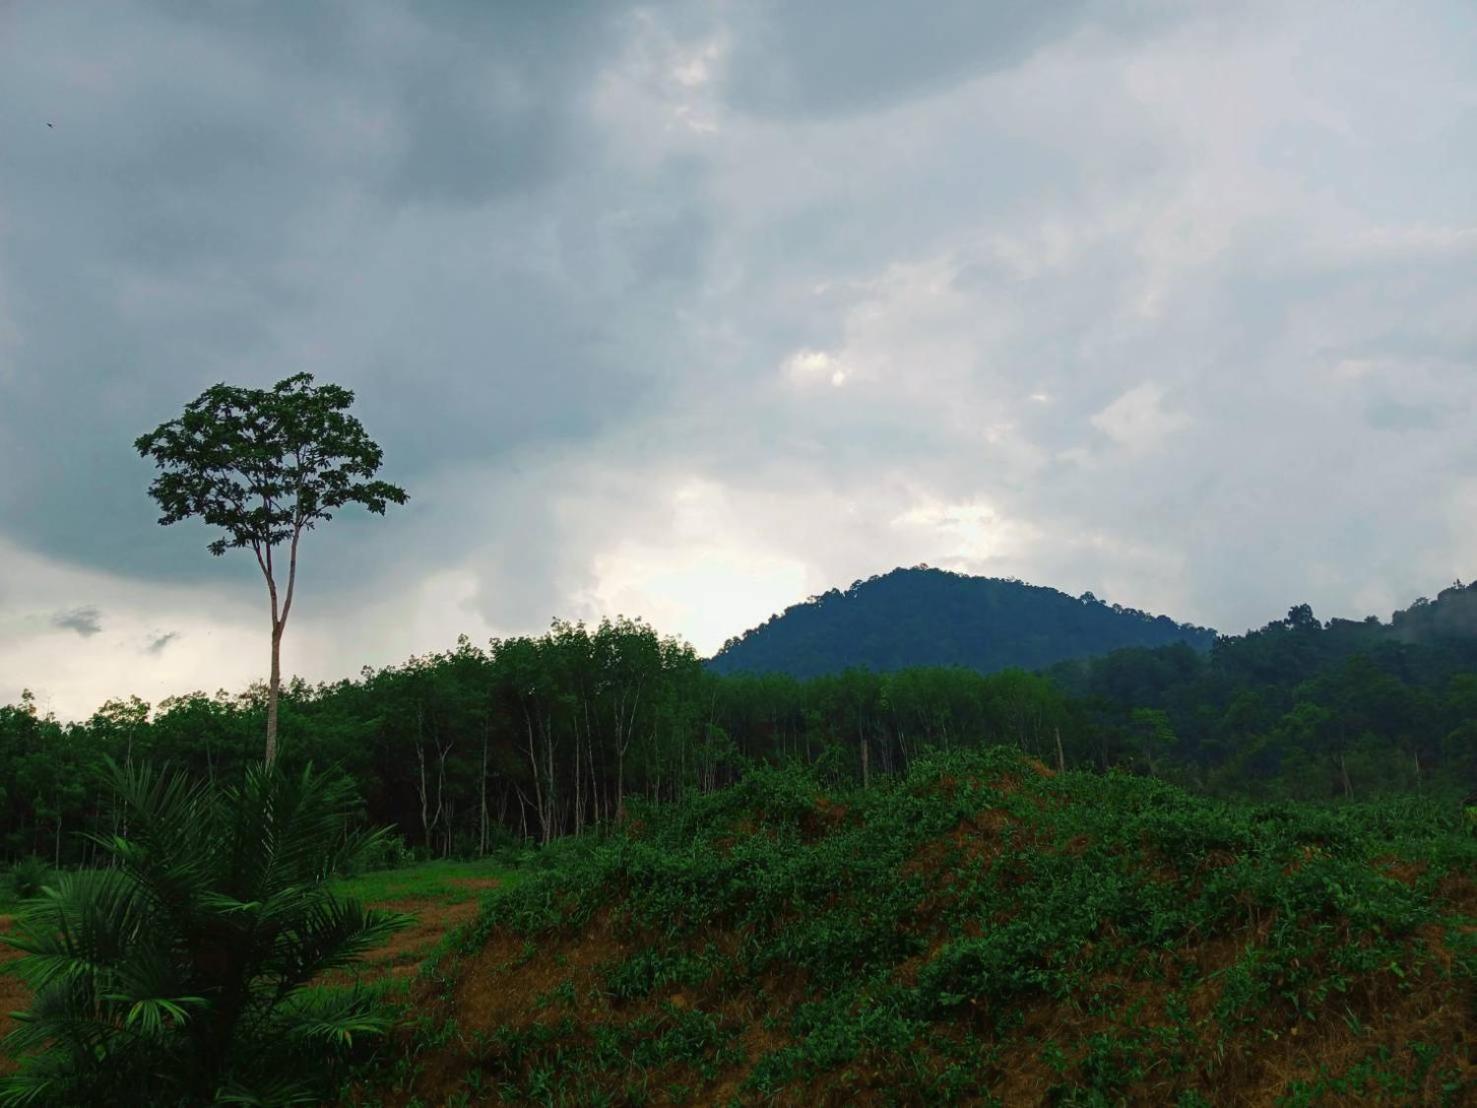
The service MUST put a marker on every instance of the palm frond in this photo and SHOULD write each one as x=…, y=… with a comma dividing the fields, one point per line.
x=183, y=967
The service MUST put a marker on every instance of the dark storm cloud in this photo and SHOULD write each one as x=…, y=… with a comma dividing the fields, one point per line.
x=85, y=621
x=838, y=56
x=1169, y=301
x=240, y=192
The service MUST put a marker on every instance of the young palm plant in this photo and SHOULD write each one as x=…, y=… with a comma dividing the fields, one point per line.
x=182, y=973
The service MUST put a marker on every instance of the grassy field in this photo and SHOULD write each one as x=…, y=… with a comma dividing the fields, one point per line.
x=980, y=932
x=447, y=883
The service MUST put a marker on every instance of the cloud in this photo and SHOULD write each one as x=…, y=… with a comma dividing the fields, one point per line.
x=1138, y=420
x=807, y=366
x=833, y=56
x=85, y=621
x=689, y=310
x=158, y=643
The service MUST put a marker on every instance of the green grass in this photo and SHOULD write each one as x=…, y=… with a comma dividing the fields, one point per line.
x=441, y=882
x=432, y=881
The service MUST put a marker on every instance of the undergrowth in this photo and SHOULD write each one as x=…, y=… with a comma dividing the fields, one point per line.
x=980, y=931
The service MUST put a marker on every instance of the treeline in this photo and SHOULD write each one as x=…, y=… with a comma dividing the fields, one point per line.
x=1300, y=708
x=532, y=738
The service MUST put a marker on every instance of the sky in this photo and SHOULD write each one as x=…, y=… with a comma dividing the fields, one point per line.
x=690, y=310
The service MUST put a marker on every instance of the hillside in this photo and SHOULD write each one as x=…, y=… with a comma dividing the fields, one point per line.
x=932, y=617
x=981, y=931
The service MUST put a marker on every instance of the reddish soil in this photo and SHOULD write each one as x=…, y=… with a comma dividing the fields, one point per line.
x=406, y=949
x=12, y=993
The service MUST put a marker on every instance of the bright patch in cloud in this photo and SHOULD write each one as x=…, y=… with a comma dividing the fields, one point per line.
x=1138, y=421
x=702, y=592
x=806, y=367
x=968, y=533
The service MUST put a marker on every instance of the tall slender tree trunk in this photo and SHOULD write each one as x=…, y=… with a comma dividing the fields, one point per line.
x=274, y=690
x=279, y=624
x=482, y=843
x=443, y=807
x=420, y=754
x=551, y=795
x=533, y=766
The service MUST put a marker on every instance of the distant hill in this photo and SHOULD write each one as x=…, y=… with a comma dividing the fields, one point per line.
x=932, y=617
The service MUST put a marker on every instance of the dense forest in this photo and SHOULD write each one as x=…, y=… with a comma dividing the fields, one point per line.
x=933, y=617
x=533, y=738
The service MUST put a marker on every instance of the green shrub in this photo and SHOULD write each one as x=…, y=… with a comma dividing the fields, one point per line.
x=183, y=971
x=28, y=877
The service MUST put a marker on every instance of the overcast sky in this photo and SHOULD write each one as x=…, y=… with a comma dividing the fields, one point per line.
x=690, y=310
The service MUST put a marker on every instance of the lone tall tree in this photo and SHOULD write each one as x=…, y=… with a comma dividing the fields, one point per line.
x=265, y=465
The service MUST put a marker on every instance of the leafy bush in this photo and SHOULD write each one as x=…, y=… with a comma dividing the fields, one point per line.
x=386, y=852
x=28, y=877
x=184, y=968
x=980, y=924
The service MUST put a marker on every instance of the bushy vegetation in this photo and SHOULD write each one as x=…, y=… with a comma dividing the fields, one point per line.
x=979, y=926
x=27, y=878
x=180, y=973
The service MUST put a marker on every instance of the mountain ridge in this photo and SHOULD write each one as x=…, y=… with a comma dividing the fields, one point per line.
x=924, y=616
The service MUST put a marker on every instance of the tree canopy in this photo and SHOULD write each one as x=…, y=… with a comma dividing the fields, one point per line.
x=264, y=466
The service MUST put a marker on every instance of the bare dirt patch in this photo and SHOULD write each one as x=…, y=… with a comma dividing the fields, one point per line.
x=13, y=994
x=402, y=955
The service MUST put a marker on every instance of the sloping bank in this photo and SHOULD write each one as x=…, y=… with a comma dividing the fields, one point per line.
x=980, y=932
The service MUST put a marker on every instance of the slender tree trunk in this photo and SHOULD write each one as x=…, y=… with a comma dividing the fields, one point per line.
x=274, y=690
x=579, y=800
x=595, y=786
x=420, y=754
x=1061, y=762
x=552, y=796
x=279, y=624
x=482, y=847
x=442, y=806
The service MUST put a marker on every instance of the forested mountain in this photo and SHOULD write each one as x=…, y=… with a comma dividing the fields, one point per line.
x=932, y=617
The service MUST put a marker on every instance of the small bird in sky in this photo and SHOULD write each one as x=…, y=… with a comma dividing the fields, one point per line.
x=51, y=124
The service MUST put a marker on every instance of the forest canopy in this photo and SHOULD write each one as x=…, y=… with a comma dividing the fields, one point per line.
x=536, y=737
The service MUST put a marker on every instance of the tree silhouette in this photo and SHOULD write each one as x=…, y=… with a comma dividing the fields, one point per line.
x=265, y=465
